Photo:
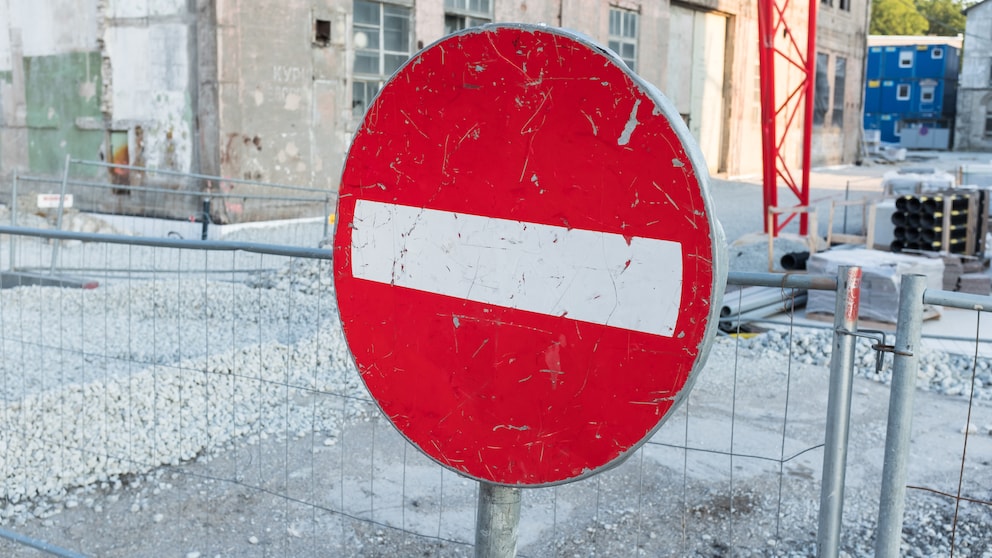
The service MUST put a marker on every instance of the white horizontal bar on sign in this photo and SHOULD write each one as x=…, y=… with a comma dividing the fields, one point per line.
x=589, y=276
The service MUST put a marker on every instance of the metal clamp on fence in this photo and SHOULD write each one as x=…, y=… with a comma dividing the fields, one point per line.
x=880, y=346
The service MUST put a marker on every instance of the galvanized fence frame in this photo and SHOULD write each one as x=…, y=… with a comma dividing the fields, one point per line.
x=495, y=506
x=325, y=199
x=913, y=295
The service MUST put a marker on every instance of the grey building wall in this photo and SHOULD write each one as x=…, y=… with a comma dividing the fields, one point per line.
x=973, y=129
x=842, y=36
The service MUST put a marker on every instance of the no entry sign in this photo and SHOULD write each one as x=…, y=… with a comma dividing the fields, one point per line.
x=526, y=264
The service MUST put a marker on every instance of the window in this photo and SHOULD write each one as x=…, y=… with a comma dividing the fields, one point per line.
x=905, y=59
x=623, y=35
x=321, y=32
x=927, y=94
x=840, y=82
x=845, y=5
x=937, y=53
x=362, y=93
x=462, y=14
x=827, y=2
x=990, y=74
x=821, y=96
x=988, y=123
x=902, y=92
x=382, y=39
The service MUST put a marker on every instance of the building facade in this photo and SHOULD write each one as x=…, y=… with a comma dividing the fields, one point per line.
x=911, y=89
x=273, y=92
x=973, y=126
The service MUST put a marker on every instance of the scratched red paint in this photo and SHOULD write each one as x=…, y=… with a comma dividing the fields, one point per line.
x=529, y=124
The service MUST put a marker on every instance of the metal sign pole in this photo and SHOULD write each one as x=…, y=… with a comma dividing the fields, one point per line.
x=497, y=521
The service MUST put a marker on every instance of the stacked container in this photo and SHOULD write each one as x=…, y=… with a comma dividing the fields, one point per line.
x=911, y=94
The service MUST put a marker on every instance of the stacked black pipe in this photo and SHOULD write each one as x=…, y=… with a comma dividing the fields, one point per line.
x=920, y=221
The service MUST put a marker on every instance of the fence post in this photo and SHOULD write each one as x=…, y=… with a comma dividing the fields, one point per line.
x=905, y=366
x=838, y=411
x=206, y=218
x=58, y=223
x=497, y=521
x=327, y=215
x=13, y=220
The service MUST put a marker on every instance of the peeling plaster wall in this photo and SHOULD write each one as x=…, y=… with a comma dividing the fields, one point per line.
x=77, y=75
x=49, y=84
x=266, y=91
x=284, y=99
x=150, y=69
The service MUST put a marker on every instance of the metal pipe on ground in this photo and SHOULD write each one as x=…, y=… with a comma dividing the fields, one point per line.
x=765, y=311
x=794, y=261
x=749, y=298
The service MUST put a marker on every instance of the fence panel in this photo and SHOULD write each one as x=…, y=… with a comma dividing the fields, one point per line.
x=935, y=496
x=98, y=197
x=201, y=400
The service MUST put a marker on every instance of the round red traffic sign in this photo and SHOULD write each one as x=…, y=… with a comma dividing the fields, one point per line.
x=527, y=267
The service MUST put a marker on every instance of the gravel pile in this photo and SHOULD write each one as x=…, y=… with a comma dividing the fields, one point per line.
x=940, y=372
x=97, y=384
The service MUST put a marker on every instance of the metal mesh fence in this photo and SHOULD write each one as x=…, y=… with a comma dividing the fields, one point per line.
x=941, y=488
x=198, y=397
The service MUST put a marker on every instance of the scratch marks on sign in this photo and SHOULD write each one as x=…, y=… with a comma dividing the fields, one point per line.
x=483, y=344
x=670, y=200
x=595, y=129
x=632, y=123
x=552, y=360
x=496, y=50
x=410, y=121
x=473, y=131
x=527, y=128
x=523, y=428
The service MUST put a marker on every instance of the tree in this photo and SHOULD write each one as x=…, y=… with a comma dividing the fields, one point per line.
x=944, y=16
x=896, y=17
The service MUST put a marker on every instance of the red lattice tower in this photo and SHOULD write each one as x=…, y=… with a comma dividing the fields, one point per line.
x=788, y=109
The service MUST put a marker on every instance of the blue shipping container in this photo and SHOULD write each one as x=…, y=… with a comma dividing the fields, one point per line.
x=887, y=124
x=873, y=68
x=898, y=62
x=897, y=96
x=873, y=96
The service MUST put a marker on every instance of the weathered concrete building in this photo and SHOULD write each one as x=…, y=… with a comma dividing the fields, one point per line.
x=973, y=126
x=274, y=92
